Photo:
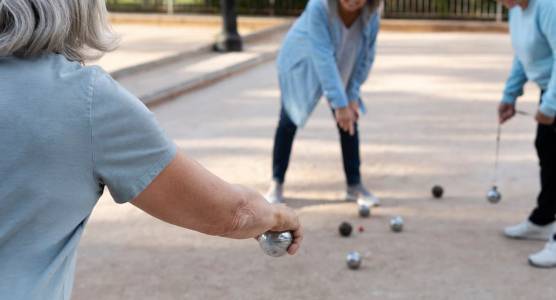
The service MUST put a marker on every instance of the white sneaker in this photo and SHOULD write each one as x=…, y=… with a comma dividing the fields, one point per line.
x=530, y=231
x=275, y=194
x=545, y=258
x=362, y=195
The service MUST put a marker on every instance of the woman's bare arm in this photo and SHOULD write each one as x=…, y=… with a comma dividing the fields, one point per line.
x=187, y=195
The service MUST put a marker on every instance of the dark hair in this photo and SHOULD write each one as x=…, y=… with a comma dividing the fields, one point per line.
x=373, y=4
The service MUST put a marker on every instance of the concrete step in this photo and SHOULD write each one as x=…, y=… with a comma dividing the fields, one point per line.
x=171, y=77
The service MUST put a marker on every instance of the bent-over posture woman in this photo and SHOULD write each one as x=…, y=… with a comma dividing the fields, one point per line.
x=328, y=52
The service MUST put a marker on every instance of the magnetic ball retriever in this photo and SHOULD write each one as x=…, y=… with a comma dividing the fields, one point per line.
x=275, y=244
x=353, y=260
x=437, y=191
x=345, y=229
x=364, y=210
x=493, y=195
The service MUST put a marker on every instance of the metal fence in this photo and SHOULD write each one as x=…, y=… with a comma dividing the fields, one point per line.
x=243, y=7
x=444, y=9
x=413, y=9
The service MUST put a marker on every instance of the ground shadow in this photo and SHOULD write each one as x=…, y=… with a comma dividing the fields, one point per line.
x=299, y=202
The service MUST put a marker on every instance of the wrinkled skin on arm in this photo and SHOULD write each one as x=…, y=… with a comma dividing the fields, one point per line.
x=187, y=195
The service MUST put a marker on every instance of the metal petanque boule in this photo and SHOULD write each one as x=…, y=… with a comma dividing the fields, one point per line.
x=353, y=260
x=396, y=224
x=493, y=195
x=275, y=244
x=345, y=229
x=364, y=210
x=437, y=191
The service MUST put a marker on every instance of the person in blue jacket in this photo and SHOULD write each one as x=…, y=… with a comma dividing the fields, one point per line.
x=533, y=32
x=328, y=52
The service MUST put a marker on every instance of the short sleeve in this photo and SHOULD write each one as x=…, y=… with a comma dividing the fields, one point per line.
x=129, y=147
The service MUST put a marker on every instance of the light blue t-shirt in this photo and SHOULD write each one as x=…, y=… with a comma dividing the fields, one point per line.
x=533, y=33
x=66, y=131
x=347, y=49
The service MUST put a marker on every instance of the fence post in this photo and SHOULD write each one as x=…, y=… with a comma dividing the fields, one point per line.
x=170, y=7
x=499, y=12
x=272, y=4
x=229, y=40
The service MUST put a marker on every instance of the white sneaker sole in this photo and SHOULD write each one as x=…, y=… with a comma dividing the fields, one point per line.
x=533, y=237
x=274, y=200
x=370, y=203
x=532, y=263
x=350, y=198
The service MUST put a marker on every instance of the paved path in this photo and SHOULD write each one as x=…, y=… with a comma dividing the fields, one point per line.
x=145, y=43
x=431, y=120
x=197, y=69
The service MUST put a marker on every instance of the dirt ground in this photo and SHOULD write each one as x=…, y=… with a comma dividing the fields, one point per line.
x=431, y=101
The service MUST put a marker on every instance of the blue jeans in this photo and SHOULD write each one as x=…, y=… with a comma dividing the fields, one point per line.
x=283, y=141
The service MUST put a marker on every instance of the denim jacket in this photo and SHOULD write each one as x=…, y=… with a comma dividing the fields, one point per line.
x=307, y=63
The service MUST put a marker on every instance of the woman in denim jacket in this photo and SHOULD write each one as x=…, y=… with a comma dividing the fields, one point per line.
x=328, y=52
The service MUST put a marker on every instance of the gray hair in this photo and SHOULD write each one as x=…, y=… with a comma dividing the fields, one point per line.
x=77, y=29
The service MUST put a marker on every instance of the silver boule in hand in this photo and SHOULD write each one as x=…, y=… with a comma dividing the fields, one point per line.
x=275, y=244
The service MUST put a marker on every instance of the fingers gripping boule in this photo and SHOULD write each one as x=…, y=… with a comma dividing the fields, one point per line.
x=287, y=220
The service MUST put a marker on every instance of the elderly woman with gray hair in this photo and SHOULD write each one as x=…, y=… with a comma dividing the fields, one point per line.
x=67, y=131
